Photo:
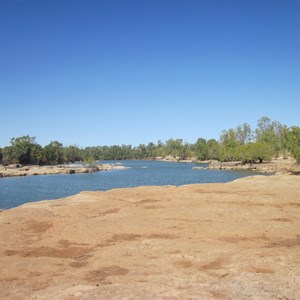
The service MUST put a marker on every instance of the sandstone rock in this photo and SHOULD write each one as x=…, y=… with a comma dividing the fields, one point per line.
x=59, y=169
x=14, y=166
x=70, y=171
x=24, y=169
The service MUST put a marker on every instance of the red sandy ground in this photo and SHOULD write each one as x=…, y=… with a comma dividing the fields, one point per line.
x=239, y=240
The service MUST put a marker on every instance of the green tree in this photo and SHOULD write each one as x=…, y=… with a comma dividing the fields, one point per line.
x=126, y=152
x=72, y=153
x=213, y=149
x=292, y=142
x=265, y=131
x=229, y=145
x=243, y=133
x=25, y=150
x=280, y=132
x=53, y=153
x=272, y=132
x=228, y=137
x=151, y=150
x=256, y=152
x=140, y=152
x=36, y=154
x=8, y=156
x=160, y=149
x=105, y=153
x=91, y=164
x=184, y=151
x=116, y=152
x=177, y=148
x=95, y=152
x=201, y=149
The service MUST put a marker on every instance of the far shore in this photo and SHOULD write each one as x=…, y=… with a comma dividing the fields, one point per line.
x=275, y=166
x=279, y=166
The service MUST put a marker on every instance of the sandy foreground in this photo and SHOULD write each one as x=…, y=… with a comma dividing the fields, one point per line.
x=238, y=240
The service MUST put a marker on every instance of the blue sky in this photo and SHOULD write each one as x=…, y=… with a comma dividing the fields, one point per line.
x=130, y=72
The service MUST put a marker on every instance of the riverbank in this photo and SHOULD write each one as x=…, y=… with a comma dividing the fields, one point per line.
x=17, y=170
x=279, y=165
x=285, y=166
x=282, y=166
x=238, y=240
x=171, y=158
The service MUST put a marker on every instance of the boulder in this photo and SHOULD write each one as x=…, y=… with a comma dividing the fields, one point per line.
x=71, y=171
x=14, y=166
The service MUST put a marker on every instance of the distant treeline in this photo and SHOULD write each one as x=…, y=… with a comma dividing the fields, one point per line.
x=269, y=139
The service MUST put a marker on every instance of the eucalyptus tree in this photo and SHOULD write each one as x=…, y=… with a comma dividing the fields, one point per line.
x=72, y=153
x=53, y=153
x=265, y=131
x=243, y=133
x=292, y=142
x=213, y=149
x=272, y=132
x=140, y=151
x=24, y=150
x=36, y=154
x=229, y=145
x=160, y=149
x=201, y=149
x=256, y=152
x=151, y=150
x=8, y=156
x=177, y=148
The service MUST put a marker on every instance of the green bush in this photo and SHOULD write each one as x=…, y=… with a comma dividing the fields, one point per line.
x=257, y=152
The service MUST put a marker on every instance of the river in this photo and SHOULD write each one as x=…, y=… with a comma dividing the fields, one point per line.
x=15, y=191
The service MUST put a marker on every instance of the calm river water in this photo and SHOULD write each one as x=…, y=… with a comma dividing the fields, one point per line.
x=15, y=191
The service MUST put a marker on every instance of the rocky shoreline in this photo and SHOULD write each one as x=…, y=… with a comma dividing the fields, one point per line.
x=19, y=170
x=278, y=166
x=283, y=166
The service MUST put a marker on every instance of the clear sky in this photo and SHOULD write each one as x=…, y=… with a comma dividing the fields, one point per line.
x=130, y=72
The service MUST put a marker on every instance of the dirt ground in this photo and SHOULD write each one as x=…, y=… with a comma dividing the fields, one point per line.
x=238, y=240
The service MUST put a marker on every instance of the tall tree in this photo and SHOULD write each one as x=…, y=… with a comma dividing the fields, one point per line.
x=72, y=153
x=201, y=149
x=177, y=148
x=54, y=153
x=213, y=149
x=243, y=133
x=265, y=131
x=25, y=150
x=292, y=142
